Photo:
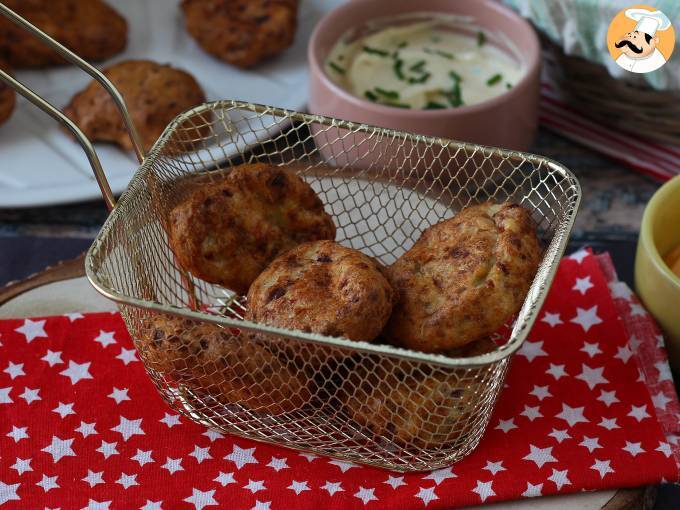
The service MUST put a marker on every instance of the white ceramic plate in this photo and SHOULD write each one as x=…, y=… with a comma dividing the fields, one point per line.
x=41, y=165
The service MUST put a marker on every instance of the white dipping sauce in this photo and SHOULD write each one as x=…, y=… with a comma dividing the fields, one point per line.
x=422, y=65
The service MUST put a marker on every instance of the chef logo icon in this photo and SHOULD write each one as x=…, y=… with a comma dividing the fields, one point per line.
x=641, y=39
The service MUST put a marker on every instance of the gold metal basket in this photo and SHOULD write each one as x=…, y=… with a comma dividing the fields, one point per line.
x=364, y=402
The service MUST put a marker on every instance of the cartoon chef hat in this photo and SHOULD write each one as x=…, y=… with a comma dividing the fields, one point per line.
x=649, y=22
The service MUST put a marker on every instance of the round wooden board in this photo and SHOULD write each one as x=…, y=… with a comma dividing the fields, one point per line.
x=63, y=288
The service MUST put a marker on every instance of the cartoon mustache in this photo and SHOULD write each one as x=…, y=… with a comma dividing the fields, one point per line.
x=632, y=47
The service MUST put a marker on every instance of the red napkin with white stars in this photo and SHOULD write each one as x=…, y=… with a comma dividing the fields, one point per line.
x=82, y=427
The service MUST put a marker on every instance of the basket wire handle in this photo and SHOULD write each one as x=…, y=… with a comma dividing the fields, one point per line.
x=54, y=112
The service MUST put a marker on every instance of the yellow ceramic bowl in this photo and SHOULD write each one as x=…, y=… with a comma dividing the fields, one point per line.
x=656, y=284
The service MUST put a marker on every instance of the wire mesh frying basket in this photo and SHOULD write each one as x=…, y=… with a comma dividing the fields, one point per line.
x=364, y=402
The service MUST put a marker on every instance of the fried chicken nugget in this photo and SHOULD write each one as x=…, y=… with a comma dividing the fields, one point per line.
x=7, y=98
x=90, y=28
x=232, y=369
x=155, y=94
x=242, y=32
x=229, y=231
x=464, y=278
x=323, y=287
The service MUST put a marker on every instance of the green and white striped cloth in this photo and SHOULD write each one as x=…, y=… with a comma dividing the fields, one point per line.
x=580, y=28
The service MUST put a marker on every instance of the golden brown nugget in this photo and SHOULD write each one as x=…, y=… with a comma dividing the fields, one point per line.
x=90, y=28
x=228, y=232
x=323, y=287
x=242, y=32
x=7, y=98
x=234, y=370
x=155, y=94
x=464, y=278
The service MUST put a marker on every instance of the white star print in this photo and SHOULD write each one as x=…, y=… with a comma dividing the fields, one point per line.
x=332, y=487
x=592, y=376
x=592, y=443
x=602, y=467
x=151, y=505
x=18, y=433
x=664, y=370
x=552, y=318
x=22, y=465
x=494, y=467
x=559, y=478
x=142, y=457
x=225, y=479
x=4, y=396
x=572, y=415
x=212, y=435
x=608, y=397
x=506, y=425
x=395, y=481
x=241, y=456
x=261, y=505
x=531, y=413
x=484, y=490
x=108, y=449
x=557, y=371
x=105, y=338
x=48, y=483
x=255, y=485
x=127, y=356
x=119, y=395
x=97, y=505
x=586, y=318
x=439, y=475
x=278, y=464
x=32, y=330
x=201, y=499
x=128, y=428
x=173, y=465
x=64, y=410
x=427, y=494
x=59, y=448
x=93, y=478
x=660, y=400
x=77, y=372
x=559, y=435
x=540, y=456
x=540, y=392
x=664, y=448
x=365, y=495
x=8, y=492
x=127, y=481
x=633, y=448
x=623, y=353
x=636, y=309
x=639, y=413
x=15, y=370
x=86, y=429
x=201, y=454
x=620, y=290
x=533, y=491
x=344, y=466
x=591, y=349
x=30, y=395
x=298, y=487
x=52, y=357
x=74, y=316
x=532, y=350
x=582, y=285
x=579, y=255
x=309, y=457
x=609, y=423
x=171, y=420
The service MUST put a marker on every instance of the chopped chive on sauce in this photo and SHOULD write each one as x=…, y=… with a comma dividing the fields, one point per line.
x=399, y=105
x=376, y=51
x=481, y=39
x=454, y=96
x=455, y=76
x=402, y=44
x=508, y=86
x=336, y=68
x=398, y=65
x=420, y=79
x=418, y=66
x=444, y=54
x=389, y=94
x=496, y=78
x=341, y=58
x=433, y=105
x=371, y=96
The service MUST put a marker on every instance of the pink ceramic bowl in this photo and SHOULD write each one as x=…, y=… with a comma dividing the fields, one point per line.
x=507, y=121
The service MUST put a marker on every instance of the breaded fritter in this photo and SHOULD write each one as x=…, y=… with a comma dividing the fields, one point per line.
x=7, y=97
x=228, y=232
x=231, y=369
x=464, y=278
x=154, y=93
x=90, y=28
x=323, y=287
x=242, y=32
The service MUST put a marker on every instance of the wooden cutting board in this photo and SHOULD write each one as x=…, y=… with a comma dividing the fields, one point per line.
x=63, y=288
